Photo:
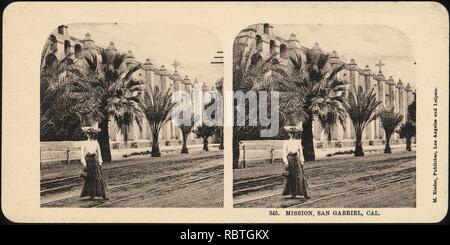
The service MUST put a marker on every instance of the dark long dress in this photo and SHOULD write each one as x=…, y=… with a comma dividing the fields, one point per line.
x=94, y=185
x=296, y=183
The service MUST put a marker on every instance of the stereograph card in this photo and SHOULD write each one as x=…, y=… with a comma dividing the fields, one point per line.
x=196, y=112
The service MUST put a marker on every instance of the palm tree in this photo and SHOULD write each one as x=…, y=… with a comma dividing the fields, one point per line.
x=98, y=91
x=407, y=130
x=412, y=112
x=61, y=111
x=248, y=72
x=204, y=131
x=309, y=87
x=117, y=93
x=361, y=107
x=157, y=109
x=220, y=135
x=186, y=130
x=331, y=118
x=389, y=120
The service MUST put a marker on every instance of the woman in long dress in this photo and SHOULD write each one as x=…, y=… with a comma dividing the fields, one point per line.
x=296, y=182
x=94, y=184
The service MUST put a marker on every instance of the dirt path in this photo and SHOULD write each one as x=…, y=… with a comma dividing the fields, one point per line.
x=136, y=185
x=373, y=181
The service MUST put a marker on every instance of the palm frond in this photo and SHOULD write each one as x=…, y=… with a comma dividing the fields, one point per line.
x=390, y=120
x=204, y=131
x=157, y=107
x=361, y=107
x=94, y=93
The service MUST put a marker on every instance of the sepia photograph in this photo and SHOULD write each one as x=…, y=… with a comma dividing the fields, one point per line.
x=109, y=127
x=342, y=109
x=225, y=113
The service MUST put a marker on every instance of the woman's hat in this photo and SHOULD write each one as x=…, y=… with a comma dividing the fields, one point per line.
x=90, y=130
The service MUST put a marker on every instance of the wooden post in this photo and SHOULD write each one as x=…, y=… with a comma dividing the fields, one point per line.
x=68, y=156
x=244, y=164
x=271, y=156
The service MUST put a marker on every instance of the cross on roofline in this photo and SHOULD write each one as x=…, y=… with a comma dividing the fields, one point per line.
x=379, y=65
x=175, y=64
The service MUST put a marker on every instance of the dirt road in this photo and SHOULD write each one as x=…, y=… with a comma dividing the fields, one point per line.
x=188, y=181
x=377, y=180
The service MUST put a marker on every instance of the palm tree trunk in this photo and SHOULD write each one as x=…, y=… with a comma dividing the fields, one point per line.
x=236, y=142
x=307, y=139
x=205, y=144
x=155, y=144
x=329, y=135
x=184, y=149
x=387, y=149
x=359, y=151
x=408, y=144
x=103, y=140
x=221, y=138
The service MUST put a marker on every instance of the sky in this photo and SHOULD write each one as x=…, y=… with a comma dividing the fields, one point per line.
x=193, y=47
x=366, y=44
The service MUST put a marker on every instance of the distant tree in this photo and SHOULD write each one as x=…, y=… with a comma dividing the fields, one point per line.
x=332, y=117
x=412, y=112
x=204, y=131
x=390, y=121
x=157, y=108
x=407, y=131
x=220, y=135
x=185, y=131
x=361, y=107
